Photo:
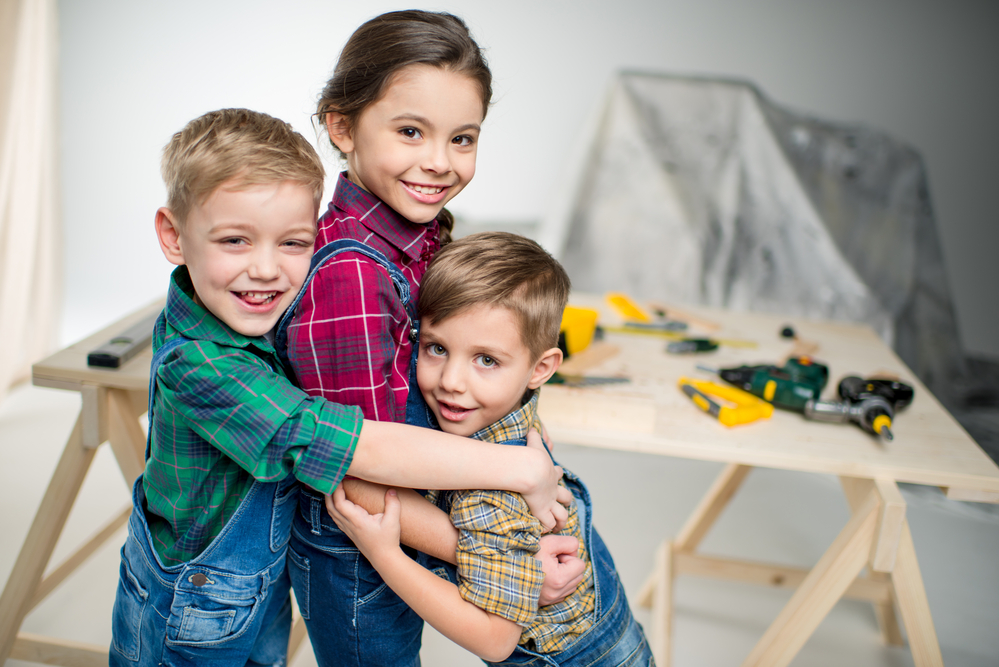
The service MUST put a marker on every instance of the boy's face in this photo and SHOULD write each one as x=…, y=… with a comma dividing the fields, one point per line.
x=414, y=148
x=247, y=250
x=474, y=368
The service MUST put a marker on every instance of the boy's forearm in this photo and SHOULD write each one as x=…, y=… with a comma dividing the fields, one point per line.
x=438, y=602
x=407, y=456
x=424, y=527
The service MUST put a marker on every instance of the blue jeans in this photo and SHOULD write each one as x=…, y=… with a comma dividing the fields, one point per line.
x=228, y=606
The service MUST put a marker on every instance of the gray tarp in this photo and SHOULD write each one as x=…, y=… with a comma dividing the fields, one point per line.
x=704, y=191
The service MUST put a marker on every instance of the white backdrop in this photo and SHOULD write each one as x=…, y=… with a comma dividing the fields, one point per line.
x=133, y=73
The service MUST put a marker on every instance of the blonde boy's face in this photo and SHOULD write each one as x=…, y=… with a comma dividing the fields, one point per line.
x=474, y=368
x=247, y=251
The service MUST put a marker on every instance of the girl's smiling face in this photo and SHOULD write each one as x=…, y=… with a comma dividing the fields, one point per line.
x=414, y=148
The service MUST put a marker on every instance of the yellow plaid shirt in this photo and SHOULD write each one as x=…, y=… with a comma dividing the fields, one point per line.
x=498, y=539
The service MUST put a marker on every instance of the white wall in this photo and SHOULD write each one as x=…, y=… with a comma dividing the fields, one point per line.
x=134, y=72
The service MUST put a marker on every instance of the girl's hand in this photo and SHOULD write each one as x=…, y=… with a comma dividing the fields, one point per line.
x=547, y=500
x=376, y=535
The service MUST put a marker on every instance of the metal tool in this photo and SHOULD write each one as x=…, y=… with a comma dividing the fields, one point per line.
x=124, y=346
x=870, y=403
x=584, y=380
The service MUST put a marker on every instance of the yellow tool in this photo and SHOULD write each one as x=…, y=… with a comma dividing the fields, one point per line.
x=627, y=308
x=739, y=407
x=578, y=326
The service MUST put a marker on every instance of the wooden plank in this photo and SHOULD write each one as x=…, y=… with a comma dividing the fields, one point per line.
x=42, y=536
x=971, y=495
x=51, y=651
x=822, y=588
x=884, y=611
x=95, y=415
x=889, y=527
x=710, y=507
x=913, y=605
x=775, y=576
x=69, y=565
x=127, y=439
x=662, y=606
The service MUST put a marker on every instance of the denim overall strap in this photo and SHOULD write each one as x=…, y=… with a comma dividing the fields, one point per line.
x=319, y=259
x=227, y=606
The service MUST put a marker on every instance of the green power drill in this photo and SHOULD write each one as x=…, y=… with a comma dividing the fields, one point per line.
x=790, y=386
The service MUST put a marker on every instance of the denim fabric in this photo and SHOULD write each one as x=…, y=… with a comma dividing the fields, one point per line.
x=354, y=619
x=228, y=606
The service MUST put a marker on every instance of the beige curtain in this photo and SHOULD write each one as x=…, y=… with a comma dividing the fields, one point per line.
x=30, y=249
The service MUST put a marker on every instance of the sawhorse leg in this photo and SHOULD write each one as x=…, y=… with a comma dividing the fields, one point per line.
x=657, y=591
x=107, y=414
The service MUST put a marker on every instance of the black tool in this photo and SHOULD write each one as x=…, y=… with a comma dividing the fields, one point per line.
x=870, y=403
x=124, y=346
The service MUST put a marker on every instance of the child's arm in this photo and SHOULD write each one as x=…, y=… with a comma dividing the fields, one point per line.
x=427, y=528
x=437, y=601
x=414, y=457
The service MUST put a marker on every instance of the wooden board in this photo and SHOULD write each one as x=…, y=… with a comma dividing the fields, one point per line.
x=930, y=447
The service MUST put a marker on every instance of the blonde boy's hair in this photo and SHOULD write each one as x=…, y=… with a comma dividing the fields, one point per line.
x=499, y=269
x=238, y=145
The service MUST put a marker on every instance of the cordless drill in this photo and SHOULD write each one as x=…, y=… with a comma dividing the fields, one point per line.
x=790, y=386
x=871, y=403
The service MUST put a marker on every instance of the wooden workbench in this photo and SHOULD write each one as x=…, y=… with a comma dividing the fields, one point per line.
x=651, y=415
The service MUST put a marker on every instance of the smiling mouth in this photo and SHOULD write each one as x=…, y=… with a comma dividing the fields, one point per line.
x=453, y=412
x=257, y=298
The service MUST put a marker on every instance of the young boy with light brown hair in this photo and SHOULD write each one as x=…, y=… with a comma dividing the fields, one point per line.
x=490, y=307
x=203, y=578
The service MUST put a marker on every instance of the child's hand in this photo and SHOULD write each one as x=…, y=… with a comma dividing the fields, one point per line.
x=374, y=534
x=562, y=566
x=547, y=500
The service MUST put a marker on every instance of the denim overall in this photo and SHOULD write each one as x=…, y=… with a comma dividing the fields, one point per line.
x=353, y=617
x=230, y=605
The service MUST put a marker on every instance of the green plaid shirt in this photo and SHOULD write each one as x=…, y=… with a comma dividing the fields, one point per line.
x=498, y=538
x=226, y=415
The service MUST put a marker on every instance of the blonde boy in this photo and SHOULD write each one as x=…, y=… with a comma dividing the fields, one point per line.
x=203, y=579
x=490, y=307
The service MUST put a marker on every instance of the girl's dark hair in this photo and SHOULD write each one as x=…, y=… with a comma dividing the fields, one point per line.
x=387, y=43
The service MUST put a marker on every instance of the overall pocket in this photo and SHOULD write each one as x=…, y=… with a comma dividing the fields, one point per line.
x=211, y=607
x=126, y=618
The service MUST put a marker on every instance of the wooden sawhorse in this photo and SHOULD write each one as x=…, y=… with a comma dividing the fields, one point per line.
x=113, y=402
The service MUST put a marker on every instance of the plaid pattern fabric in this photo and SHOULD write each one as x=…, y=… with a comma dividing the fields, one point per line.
x=224, y=417
x=498, y=537
x=349, y=341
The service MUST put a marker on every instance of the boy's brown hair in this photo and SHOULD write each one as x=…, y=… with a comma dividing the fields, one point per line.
x=245, y=147
x=499, y=269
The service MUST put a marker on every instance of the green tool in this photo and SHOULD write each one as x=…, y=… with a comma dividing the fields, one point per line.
x=790, y=386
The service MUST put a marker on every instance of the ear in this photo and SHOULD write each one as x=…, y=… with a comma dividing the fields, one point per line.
x=545, y=367
x=168, y=234
x=339, y=131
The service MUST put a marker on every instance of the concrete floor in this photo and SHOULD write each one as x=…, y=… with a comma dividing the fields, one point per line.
x=777, y=516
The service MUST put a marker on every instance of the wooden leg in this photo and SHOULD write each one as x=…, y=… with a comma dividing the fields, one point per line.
x=299, y=633
x=42, y=537
x=888, y=531
x=822, y=588
x=662, y=605
x=913, y=605
x=50, y=651
x=128, y=442
x=710, y=507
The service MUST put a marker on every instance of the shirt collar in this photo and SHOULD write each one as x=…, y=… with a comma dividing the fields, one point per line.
x=381, y=219
x=515, y=425
x=186, y=317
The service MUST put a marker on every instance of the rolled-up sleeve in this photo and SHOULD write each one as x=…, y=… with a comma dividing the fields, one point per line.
x=237, y=403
